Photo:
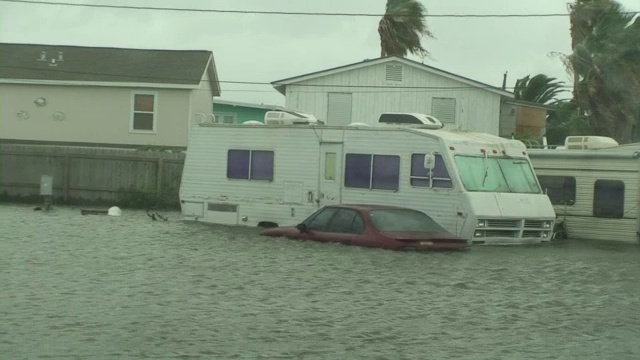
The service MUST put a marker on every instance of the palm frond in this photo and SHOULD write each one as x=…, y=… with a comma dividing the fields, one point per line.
x=539, y=88
x=402, y=28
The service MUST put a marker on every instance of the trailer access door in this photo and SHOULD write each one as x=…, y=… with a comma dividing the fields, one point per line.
x=331, y=167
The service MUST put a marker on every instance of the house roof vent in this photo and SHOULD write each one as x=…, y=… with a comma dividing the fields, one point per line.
x=393, y=72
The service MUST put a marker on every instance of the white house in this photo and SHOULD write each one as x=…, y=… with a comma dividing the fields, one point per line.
x=56, y=94
x=359, y=92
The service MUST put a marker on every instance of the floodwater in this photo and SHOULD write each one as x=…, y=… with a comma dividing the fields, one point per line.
x=98, y=287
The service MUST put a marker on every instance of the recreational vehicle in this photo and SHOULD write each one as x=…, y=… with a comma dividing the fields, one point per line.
x=478, y=186
x=594, y=191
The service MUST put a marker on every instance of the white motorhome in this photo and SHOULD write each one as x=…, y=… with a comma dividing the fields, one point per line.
x=595, y=191
x=478, y=186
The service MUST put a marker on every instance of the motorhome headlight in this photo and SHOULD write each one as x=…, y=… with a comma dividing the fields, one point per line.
x=545, y=234
x=478, y=234
x=546, y=224
x=482, y=223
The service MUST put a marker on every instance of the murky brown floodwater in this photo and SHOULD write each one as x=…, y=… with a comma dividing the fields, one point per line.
x=96, y=287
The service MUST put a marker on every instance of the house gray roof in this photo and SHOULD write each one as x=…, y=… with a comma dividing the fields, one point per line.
x=281, y=84
x=111, y=65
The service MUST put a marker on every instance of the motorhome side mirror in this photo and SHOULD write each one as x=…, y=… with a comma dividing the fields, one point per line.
x=302, y=227
x=429, y=161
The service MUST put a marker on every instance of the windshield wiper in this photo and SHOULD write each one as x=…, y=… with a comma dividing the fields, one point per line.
x=486, y=174
x=486, y=169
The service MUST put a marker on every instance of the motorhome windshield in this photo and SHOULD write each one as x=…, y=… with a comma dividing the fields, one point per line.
x=494, y=174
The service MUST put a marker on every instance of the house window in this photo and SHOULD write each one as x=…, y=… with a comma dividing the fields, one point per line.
x=144, y=112
x=250, y=165
x=420, y=175
x=560, y=189
x=366, y=171
x=226, y=118
x=444, y=109
x=608, y=199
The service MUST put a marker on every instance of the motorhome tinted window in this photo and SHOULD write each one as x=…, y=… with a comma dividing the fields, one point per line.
x=420, y=175
x=560, y=189
x=386, y=172
x=365, y=171
x=492, y=174
x=238, y=164
x=358, y=171
x=250, y=165
x=262, y=165
x=608, y=199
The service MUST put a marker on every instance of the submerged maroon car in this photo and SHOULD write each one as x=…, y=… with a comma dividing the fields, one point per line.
x=377, y=226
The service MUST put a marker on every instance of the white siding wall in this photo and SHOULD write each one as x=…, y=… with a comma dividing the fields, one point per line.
x=476, y=109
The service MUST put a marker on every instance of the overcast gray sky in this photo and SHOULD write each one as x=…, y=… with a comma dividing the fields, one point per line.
x=265, y=48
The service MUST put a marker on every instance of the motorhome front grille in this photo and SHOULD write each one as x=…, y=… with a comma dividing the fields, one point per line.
x=534, y=224
x=531, y=234
x=501, y=233
x=503, y=223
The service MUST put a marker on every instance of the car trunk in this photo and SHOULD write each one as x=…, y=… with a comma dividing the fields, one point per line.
x=433, y=240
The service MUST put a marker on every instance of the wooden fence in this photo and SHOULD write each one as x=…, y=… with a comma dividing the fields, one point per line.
x=88, y=175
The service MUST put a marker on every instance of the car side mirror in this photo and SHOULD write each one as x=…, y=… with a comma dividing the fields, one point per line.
x=429, y=161
x=302, y=227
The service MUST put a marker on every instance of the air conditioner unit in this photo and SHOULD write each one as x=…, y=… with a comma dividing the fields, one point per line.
x=421, y=121
x=288, y=117
x=588, y=142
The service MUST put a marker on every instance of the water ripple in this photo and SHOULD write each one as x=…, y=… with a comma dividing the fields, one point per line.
x=99, y=287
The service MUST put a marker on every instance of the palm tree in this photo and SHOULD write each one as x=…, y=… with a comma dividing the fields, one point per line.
x=402, y=27
x=540, y=89
x=606, y=66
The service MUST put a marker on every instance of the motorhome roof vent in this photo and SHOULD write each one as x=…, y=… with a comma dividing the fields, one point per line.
x=588, y=142
x=252, y=122
x=422, y=121
x=288, y=117
x=359, y=124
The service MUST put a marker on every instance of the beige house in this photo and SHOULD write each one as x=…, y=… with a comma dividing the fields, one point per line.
x=54, y=94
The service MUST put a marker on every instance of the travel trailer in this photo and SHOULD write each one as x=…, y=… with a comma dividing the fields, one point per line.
x=478, y=186
x=595, y=191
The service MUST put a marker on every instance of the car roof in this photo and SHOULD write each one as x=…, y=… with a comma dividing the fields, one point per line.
x=367, y=207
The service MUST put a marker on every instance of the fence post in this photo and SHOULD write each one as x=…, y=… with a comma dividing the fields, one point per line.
x=159, y=171
x=66, y=178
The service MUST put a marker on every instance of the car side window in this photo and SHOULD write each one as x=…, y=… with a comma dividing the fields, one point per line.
x=346, y=221
x=321, y=220
x=358, y=224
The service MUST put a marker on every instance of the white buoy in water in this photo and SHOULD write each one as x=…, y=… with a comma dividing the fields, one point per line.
x=114, y=211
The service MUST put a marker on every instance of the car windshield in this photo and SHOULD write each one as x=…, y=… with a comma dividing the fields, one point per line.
x=492, y=174
x=390, y=220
